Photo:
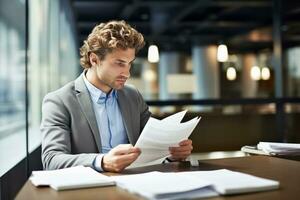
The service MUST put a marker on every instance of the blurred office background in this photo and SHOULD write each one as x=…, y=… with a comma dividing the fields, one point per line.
x=233, y=62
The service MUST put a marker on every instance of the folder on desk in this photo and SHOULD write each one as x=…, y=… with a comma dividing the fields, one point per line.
x=195, y=184
x=70, y=178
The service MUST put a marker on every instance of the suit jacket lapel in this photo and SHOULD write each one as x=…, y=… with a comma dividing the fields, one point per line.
x=126, y=115
x=85, y=102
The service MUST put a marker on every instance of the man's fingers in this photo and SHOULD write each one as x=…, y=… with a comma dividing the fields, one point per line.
x=130, y=159
x=122, y=161
x=180, y=149
x=125, y=149
x=120, y=157
x=183, y=153
x=117, y=163
x=126, y=157
x=185, y=142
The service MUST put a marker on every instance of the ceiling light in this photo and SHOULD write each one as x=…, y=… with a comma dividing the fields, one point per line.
x=149, y=75
x=153, y=54
x=222, y=54
x=265, y=73
x=231, y=74
x=255, y=73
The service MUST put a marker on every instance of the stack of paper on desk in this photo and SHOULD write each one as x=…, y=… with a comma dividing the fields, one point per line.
x=158, y=135
x=254, y=150
x=197, y=184
x=70, y=178
x=279, y=148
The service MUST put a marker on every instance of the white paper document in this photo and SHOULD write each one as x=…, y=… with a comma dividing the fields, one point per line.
x=196, y=184
x=227, y=182
x=158, y=135
x=70, y=178
x=274, y=148
x=158, y=185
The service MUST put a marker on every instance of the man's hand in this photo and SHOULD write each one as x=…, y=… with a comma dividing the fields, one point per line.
x=120, y=157
x=182, y=152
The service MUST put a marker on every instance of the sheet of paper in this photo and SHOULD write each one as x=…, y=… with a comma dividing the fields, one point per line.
x=158, y=135
x=175, y=118
x=193, y=184
x=46, y=177
x=253, y=150
x=279, y=148
x=69, y=178
x=157, y=184
x=229, y=182
x=205, y=192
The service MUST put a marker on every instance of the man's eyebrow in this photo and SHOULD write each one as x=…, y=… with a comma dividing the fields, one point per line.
x=123, y=61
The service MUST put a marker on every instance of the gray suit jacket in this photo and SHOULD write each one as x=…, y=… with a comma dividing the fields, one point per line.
x=70, y=134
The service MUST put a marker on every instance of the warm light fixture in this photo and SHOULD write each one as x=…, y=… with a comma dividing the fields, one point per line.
x=231, y=74
x=265, y=73
x=153, y=54
x=222, y=53
x=149, y=75
x=255, y=73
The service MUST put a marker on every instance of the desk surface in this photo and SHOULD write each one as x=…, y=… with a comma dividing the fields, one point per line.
x=283, y=170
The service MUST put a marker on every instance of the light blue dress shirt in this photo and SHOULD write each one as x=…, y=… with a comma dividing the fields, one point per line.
x=109, y=120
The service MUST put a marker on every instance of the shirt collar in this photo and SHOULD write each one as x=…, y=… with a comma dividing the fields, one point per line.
x=98, y=95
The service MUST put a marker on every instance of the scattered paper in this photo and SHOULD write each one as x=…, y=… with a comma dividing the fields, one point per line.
x=70, y=178
x=158, y=185
x=158, y=135
x=274, y=148
x=195, y=184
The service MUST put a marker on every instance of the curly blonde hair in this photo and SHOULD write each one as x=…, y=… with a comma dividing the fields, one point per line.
x=108, y=36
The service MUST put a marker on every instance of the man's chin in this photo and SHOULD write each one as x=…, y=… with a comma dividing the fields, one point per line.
x=119, y=86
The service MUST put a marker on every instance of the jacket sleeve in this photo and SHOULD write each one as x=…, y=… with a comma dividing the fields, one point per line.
x=56, y=140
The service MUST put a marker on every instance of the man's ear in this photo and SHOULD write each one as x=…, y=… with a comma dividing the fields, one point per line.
x=94, y=59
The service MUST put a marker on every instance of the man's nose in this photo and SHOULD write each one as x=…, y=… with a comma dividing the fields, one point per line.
x=127, y=72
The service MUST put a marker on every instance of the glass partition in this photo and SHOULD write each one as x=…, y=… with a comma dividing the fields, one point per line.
x=52, y=62
x=12, y=84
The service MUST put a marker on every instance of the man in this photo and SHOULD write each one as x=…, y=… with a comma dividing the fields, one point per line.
x=95, y=120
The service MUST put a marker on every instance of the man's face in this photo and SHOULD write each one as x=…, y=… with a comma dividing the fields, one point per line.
x=114, y=69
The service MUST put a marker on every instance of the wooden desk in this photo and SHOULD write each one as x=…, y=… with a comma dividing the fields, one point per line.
x=283, y=170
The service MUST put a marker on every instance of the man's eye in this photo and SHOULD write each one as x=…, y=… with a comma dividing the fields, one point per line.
x=120, y=64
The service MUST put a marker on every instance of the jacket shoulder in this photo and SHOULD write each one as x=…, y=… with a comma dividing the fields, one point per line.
x=63, y=92
x=131, y=90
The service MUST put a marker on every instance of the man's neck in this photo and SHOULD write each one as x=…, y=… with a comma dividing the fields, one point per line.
x=92, y=77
